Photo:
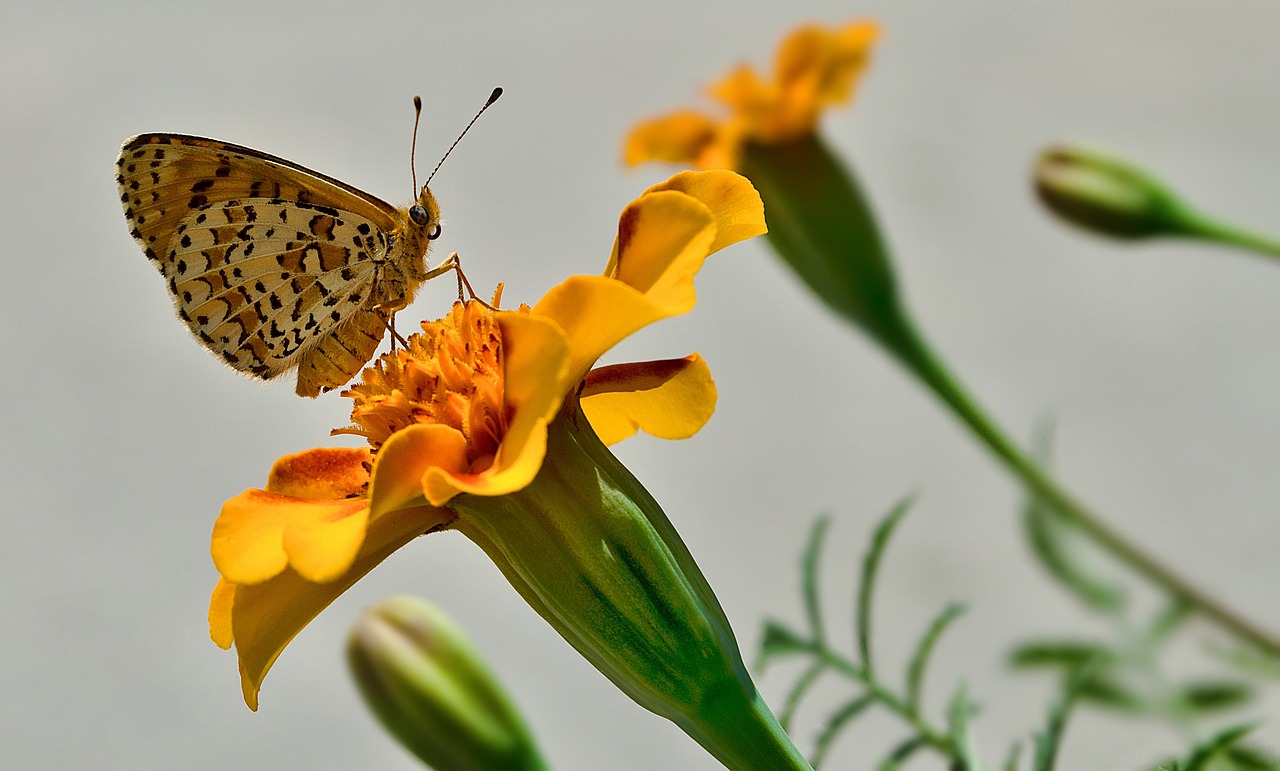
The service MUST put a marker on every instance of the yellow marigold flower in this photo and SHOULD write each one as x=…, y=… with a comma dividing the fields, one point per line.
x=815, y=67
x=463, y=415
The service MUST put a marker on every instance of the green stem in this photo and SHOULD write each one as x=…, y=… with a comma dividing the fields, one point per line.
x=912, y=350
x=1199, y=226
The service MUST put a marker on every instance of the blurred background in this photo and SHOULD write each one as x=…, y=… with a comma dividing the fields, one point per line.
x=123, y=437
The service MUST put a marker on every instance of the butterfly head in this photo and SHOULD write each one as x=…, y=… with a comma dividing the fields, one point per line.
x=425, y=214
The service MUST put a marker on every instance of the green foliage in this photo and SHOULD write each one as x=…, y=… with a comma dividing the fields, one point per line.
x=1122, y=675
x=836, y=723
x=870, y=567
x=961, y=731
x=1213, y=696
x=1071, y=655
x=798, y=691
x=809, y=569
x=1243, y=757
x=1058, y=544
x=1218, y=745
x=924, y=650
x=782, y=642
x=1126, y=673
x=1047, y=743
x=901, y=753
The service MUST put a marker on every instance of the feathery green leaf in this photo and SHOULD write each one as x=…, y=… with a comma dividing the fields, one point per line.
x=838, y=720
x=924, y=649
x=779, y=641
x=1053, y=541
x=900, y=753
x=809, y=574
x=1067, y=654
x=1215, y=695
x=1203, y=753
x=870, y=565
x=797, y=693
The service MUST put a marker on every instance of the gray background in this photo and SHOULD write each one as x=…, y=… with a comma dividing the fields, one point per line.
x=124, y=437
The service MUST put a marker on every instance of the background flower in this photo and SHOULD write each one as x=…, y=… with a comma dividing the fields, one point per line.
x=814, y=67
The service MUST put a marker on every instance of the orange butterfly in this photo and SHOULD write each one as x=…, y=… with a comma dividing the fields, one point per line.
x=272, y=265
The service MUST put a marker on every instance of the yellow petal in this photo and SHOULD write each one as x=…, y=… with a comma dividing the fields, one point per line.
x=266, y=616
x=524, y=463
x=258, y=534
x=726, y=151
x=248, y=536
x=671, y=399
x=854, y=45
x=323, y=472
x=321, y=548
x=663, y=239
x=403, y=462
x=537, y=379
x=595, y=313
x=743, y=91
x=733, y=201
x=818, y=66
x=680, y=137
x=220, y=607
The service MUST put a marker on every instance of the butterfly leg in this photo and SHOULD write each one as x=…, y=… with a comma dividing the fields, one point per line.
x=454, y=263
x=390, y=319
x=395, y=336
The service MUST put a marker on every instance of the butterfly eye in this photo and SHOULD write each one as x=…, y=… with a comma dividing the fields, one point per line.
x=435, y=233
x=419, y=216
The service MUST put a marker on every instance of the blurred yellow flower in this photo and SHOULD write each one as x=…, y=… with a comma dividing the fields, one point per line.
x=465, y=409
x=815, y=67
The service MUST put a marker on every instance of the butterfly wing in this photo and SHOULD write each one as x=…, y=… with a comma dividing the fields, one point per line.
x=271, y=265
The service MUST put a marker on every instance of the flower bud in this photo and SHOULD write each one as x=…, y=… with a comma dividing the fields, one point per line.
x=1106, y=195
x=422, y=677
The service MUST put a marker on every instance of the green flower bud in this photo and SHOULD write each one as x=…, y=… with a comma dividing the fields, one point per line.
x=424, y=680
x=1106, y=195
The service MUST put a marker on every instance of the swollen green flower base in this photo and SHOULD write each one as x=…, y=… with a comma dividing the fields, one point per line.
x=821, y=225
x=591, y=551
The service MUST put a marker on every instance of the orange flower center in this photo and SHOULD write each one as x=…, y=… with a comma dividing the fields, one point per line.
x=451, y=373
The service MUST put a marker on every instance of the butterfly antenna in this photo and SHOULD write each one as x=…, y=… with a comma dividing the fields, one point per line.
x=497, y=92
x=413, y=146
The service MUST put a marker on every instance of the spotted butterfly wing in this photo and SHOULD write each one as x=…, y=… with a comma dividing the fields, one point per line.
x=273, y=266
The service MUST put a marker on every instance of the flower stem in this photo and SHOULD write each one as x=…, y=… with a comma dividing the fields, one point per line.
x=1199, y=226
x=912, y=350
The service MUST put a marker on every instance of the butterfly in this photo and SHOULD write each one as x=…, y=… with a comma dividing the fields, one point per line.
x=273, y=266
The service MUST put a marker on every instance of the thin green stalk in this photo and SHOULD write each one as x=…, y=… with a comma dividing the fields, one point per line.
x=912, y=350
x=1199, y=226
